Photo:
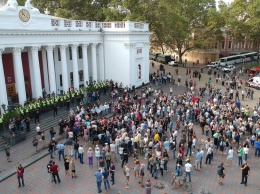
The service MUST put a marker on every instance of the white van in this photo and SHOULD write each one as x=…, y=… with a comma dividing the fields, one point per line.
x=254, y=82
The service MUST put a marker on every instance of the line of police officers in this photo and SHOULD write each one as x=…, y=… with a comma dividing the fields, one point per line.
x=31, y=109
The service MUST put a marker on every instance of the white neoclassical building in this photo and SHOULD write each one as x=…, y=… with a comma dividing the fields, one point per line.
x=39, y=51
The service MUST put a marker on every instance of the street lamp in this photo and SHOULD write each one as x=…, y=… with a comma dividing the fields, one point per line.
x=94, y=82
x=87, y=83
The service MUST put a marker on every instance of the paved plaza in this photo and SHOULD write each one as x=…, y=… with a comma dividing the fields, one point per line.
x=37, y=180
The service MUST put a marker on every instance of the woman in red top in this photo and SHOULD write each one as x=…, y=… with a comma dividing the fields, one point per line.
x=20, y=171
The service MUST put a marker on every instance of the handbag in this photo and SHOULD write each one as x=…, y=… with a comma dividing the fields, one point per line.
x=142, y=173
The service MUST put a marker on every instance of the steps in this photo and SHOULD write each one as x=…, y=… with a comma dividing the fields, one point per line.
x=47, y=121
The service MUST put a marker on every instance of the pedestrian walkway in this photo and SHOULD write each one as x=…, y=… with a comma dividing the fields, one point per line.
x=37, y=179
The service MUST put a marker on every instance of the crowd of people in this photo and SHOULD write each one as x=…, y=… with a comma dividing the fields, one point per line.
x=160, y=127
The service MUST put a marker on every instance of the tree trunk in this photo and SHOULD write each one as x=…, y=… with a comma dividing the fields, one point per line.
x=180, y=55
x=162, y=48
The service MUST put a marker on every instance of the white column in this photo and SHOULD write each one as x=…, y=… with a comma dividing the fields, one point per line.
x=65, y=78
x=94, y=61
x=101, y=62
x=36, y=71
x=3, y=94
x=74, y=49
x=31, y=73
x=85, y=63
x=19, y=76
x=51, y=69
x=45, y=72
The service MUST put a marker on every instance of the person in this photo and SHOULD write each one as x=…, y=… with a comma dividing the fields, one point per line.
x=240, y=153
x=20, y=171
x=99, y=176
x=221, y=173
x=257, y=148
x=148, y=187
x=81, y=154
x=35, y=144
x=97, y=154
x=188, y=170
x=76, y=148
x=105, y=178
x=245, y=173
x=246, y=151
x=61, y=148
x=142, y=175
x=127, y=175
x=125, y=157
x=55, y=109
x=198, y=160
x=55, y=172
x=7, y=151
x=72, y=168
x=49, y=169
x=230, y=156
x=67, y=164
x=209, y=155
x=90, y=157
x=112, y=172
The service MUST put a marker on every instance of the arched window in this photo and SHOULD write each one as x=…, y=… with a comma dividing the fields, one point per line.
x=139, y=71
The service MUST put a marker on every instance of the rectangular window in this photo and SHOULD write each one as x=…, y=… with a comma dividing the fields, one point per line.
x=81, y=76
x=223, y=45
x=70, y=53
x=242, y=44
x=80, y=52
x=250, y=45
x=60, y=79
x=59, y=58
x=236, y=45
x=229, y=44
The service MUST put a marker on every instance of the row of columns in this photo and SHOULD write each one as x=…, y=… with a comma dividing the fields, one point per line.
x=49, y=72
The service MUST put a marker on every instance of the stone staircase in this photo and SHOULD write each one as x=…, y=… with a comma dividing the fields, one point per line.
x=47, y=121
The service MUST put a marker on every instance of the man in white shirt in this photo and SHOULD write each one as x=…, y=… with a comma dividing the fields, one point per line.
x=188, y=167
x=209, y=154
x=81, y=154
x=113, y=151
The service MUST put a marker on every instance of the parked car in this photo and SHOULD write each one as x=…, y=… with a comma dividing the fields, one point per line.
x=173, y=63
x=213, y=64
x=228, y=68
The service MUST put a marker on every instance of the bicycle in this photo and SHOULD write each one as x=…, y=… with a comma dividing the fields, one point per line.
x=178, y=182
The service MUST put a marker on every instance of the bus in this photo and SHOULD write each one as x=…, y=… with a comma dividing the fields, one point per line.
x=249, y=56
x=231, y=60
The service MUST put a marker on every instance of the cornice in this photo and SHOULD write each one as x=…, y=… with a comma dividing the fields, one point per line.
x=72, y=33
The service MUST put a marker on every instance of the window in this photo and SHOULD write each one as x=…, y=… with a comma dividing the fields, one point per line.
x=229, y=44
x=250, y=45
x=59, y=58
x=80, y=52
x=242, y=44
x=70, y=53
x=236, y=45
x=223, y=45
x=81, y=76
x=60, y=80
x=139, y=75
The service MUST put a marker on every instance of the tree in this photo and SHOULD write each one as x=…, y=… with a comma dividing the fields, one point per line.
x=253, y=22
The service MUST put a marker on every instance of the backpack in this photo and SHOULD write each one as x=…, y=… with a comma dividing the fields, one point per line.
x=219, y=170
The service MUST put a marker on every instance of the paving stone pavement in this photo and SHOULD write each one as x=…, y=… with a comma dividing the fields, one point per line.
x=37, y=180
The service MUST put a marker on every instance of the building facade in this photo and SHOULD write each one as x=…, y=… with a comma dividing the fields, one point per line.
x=39, y=51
